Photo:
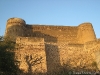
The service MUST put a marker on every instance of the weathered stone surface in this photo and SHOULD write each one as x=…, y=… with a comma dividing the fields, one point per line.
x=75, y=46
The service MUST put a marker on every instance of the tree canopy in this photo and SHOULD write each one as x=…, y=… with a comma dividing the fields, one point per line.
x=7, y=61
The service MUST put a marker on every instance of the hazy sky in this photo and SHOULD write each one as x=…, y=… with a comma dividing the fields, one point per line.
x=52, y=12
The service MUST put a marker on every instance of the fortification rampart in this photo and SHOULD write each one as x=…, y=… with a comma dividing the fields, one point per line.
x=53, y=31
x=71, y=34
x=75, y=45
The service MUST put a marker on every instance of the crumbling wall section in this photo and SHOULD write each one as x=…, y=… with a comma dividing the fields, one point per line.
x=70, y=54
x=76, y=57
x=30, y=49
x=93, y=48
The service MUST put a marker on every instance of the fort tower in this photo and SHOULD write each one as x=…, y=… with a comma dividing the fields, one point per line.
x=15, y=27
x=85, y=33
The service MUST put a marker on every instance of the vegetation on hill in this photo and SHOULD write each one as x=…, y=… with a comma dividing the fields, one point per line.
x=7, y=62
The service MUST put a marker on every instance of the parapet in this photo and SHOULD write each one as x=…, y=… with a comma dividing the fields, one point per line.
x=85, y=23
x=16, y=20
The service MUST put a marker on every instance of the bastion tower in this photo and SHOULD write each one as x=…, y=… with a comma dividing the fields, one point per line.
x=15, y=27
x=86, y=33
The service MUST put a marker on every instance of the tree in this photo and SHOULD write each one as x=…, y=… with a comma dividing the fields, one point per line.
x=32, y=61
x=1, y=38
x=7, y=62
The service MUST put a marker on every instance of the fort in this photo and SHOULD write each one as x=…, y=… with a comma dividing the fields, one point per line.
x=76, y=46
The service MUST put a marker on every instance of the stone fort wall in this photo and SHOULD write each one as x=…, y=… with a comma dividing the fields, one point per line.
x=34, y=48
x=55, y=55
x=58, y=45
x=72, y=34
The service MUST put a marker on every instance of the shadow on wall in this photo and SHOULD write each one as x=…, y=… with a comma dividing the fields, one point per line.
x=52, y=58
x=51, y=50
x=47, y=38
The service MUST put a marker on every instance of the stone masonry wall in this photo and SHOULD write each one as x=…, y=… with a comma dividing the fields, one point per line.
x=75, y=46
x=79, y=57
x=32, y=48
x=72, y=34
x=93, y=48
x=15, y=27
x=68, y=33
x=85, y=33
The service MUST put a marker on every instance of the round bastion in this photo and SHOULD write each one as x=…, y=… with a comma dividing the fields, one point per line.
x=16, y=20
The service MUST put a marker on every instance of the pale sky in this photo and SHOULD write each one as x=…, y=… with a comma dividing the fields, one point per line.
x=51, y=12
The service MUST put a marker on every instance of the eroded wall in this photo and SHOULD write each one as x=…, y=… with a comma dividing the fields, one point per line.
x=93, y=48
x=27, y=47
x=80, y=57
x=75, y=46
